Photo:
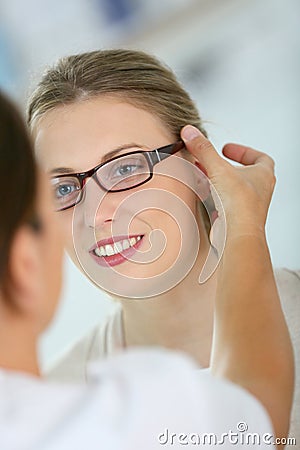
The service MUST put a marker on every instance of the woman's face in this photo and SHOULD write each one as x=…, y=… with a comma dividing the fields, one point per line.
x=129, y=241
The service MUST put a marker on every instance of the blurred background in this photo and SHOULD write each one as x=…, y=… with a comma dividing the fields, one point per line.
x=240, y=61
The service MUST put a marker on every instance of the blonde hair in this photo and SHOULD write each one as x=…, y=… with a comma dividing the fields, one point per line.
x=137, y=77
x=134, y=75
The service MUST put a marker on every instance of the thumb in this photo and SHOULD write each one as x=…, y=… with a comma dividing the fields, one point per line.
x=202, y=149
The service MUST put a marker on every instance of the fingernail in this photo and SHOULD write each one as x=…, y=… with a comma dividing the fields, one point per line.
x=190, y=132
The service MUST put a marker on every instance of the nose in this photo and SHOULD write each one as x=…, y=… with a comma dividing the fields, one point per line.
x=98, y=206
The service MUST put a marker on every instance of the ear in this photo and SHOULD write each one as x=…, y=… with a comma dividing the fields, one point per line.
x=24, y=269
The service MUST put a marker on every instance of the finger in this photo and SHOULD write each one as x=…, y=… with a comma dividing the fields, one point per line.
x=247, y=155
x=202, y=149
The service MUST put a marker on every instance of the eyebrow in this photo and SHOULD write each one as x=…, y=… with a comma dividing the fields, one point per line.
x=106, y=157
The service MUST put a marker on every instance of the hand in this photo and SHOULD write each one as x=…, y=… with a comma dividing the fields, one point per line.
x=251, y=344
x=245, y=192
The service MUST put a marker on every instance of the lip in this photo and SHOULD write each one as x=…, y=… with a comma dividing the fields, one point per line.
x=119, y=258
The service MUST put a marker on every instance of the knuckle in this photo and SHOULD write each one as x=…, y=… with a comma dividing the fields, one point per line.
x=271, y=176
x=273, y=181
x=272, y=162
x=203, y=145
x=269, y=179
x=269, y=172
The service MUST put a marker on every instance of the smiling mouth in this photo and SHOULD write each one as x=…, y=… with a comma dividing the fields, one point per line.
x=115, y=250
x=117, y=247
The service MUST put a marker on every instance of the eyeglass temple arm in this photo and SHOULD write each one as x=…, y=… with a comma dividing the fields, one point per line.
x=168, y=150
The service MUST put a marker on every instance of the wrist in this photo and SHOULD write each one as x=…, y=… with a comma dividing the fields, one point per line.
x=237, y=228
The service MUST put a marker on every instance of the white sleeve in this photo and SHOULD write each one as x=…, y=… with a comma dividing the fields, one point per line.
x=156, y=399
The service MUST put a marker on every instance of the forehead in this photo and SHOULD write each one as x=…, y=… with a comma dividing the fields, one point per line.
x=80, y=134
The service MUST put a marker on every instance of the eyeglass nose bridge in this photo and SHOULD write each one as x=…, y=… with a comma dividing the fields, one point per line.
x=85, y=180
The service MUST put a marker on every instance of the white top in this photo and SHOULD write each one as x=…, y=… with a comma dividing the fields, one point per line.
x=108, y=338
x=142, y=399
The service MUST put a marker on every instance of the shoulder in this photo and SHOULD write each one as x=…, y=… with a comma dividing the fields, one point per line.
x=167, y=391
x=147, y=398
x=158, y=373
x=288, y=279
x=30, y=409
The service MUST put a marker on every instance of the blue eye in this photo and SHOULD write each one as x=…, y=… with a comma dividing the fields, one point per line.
x=127, y=166
x=126, y=169
x=64, y=190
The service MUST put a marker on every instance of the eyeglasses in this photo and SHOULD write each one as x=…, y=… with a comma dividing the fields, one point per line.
x=120, y=173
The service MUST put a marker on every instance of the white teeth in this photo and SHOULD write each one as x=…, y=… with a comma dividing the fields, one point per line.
x=117, y=247
x=99, y=251
x=125, y=244
x=109, y=250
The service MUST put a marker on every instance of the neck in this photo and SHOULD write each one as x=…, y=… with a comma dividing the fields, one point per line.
x=18, y=346
x=180, y=319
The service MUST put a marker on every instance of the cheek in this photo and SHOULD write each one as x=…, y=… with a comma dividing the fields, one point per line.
x=65, y=225
x=170, y=224
x=169, y=205
x=177, y=197
x=56, y=270
x=64, y=221
x=56, y=249
x=51, y=273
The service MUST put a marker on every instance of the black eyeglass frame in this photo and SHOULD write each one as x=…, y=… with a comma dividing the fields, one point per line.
x=153, y=157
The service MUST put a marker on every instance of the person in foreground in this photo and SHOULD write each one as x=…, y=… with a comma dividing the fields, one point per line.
x=142, y=398
x=100, y=122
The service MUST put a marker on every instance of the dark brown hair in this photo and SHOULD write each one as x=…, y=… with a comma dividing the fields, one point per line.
x=18, y=181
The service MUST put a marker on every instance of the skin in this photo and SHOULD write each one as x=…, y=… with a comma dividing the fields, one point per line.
x=35, y=266
x=264, y=369
x=77, y=136
x=249, y=325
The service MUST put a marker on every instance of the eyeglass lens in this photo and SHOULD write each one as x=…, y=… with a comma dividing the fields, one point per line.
x=119, y=174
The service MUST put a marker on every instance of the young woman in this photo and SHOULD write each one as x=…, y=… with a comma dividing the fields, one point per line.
x=104, y=124
x=147, y=398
